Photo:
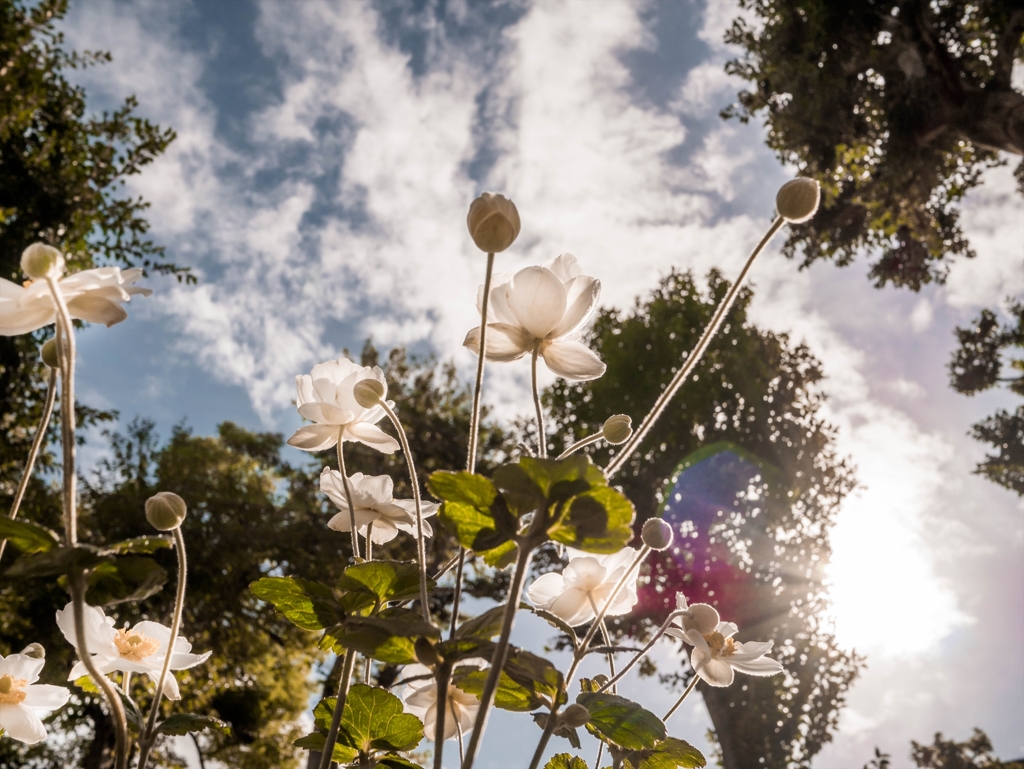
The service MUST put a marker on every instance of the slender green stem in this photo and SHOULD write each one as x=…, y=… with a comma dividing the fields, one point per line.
x=348, y=497
x=458, y=735
x=369, y=542
x=66, y=351
x=126, y=682
x=442, y=710
x=414, y=481
x=339, y=708
x=515, y=594
x=457, y=600
x=606, y=638
x=549, y=729
x=77, y=584
x=33, y=453
x=600, y=752
x=679, y=702
x=692, y=359
x=542, y=449
x=582, y=443
x=148, y=736
x=643, y=652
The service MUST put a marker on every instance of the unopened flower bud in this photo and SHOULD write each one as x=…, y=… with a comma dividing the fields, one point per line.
x=35, y=651
x=493, y=222
x=575, y=716
x=425, y=652
x=48, y=352
x=369, y=392
x=701, y=617
x=797, y=200
x=656, y=534
x=617, y=429
x=165, y=510
x=42, y=261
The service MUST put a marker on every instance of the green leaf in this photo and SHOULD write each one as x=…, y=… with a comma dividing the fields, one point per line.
x=389, y=637
x=308, y=605
x=527, y=682
x=462, y=488
x=622, y=721
x=565, y=761
x=374, y=720
x=140, y=545
x=57, y=561
x=186, y=723
x=597, y=521
x=501, y=556
x=668, y=754
x=483, y=627
x=27, y=537
x=472, y=510
x=86, y=685
x=535, y=483
x=464, y=648
x=129, y=578
x=343, y=754
x=384, y=580
x=394, y=761
x=541, y=719
x=131, y=710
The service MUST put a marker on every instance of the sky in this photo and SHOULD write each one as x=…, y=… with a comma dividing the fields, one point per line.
x=325, y=159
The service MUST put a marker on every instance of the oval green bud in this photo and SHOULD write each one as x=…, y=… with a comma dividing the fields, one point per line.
x=617, y=429
x=42, y=261
x=797, y=200
x=48, y=352
x=493, y=222
x=369, y=392
x=425, y=652
x=165, y=511
x=701, y=617
x=656, y=534
x=575, y=716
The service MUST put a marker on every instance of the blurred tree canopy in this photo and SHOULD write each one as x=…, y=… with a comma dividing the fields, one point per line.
x=972, y=753
x=977, y=365
x=61, y=182
x=755, y=390
x=897, y=108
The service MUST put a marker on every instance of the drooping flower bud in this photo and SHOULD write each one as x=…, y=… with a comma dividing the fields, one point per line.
x=48, y=352
x=165, y=510
x=35, y=651
x=575, y=716
x=656, y=534
x=42, y=261
x=617, y=429
x=797, y=200
x=425, y=652
x=701, y=617
x=369, y=392
x=493, y=222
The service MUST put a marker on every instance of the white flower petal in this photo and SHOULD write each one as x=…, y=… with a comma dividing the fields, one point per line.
x=565, y=267
x=582, y=294
x=314, y=437
x=573, y=606
x=545, y=589
x=21, y=724
x=304, y=390
x=371, y=436
x=96, y=309
x=21, y=666
x=572, y=360
x=326, y=413
x=763, y=666
x=46, y=697
x=371, y=490
x=714, y=671
x=505, y=342
x=537, y=299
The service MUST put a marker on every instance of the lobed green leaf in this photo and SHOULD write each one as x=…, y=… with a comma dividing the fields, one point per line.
x=622, y=721
x=28, y=537
x=308, y=605
x=186, y=723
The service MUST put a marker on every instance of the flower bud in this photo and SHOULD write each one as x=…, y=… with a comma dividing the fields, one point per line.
x=48, y=352
x=656, y=534
x=165, y=511
x=575, y=716
x=493, y=222
x=425, y=652
x=35, y=651
x=369, y=392
x=42, y=261
x=797, y=200
x=617, y=429
x=701, y=617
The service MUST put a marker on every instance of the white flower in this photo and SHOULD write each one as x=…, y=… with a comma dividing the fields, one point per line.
x=420, y=699
x=22, y=701
x=546, y=306
x=91, y=295
x=716, y=656
x=140, y=649
x=586, y=582
x=373, y=502
x=325, y=396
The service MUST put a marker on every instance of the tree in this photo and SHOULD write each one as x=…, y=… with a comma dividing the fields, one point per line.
x=973, y=753
x=977, y=366
x=897, y=108
x=754, y=390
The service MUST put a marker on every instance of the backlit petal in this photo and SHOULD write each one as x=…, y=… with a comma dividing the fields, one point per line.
x=372, y=436
x=505, y=342
x=21, y=724
x=572, y=360
x=537, y=299
x=314, y=437
x=582, y=294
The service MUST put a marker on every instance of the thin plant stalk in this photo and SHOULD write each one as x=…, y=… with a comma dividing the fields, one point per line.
x=442, y=709
x=148, y=736
x=679, y=702
x=606, y=638
x=542, y=449
x=515, y=594
x=458, y=736
x=600, y=752
x=339, y=708
x=66, y=350
x=414, y=481
x=582, y=443
x=348, y=497
x=642, y=653
x=549, y=729
x=369, y=542
x=37, y=442
x=692, y=359
x=126, y=682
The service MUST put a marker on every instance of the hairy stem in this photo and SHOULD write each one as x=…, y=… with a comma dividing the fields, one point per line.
x=421, y=546
x=643, y=652
x=582, y=443
x=348, y=497
x=549, y=729
x=542, y=449
x=515, y=594
x=37, y=442
x=339, y=709
x=148, y=736
x=66, y=351
x=369, y=542
x=679, y=702
x=442, y=709
x=692, y=359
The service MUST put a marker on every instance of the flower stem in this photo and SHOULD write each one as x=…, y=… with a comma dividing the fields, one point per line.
x=339, y=708
x=642, y=653
x=606, y=638
x=600, y=752
x=542, y=449
x=679, y=702
x=148, y=736
x=348, y=497
x=584, y=442
x=37, y=442
x=369, y=542
x=515, y=594
x=692, y=359
x=66, y=351
x=549, y=729
x=442, y=709
x=414, y=481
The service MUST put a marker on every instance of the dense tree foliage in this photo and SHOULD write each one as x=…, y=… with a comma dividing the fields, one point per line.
x=897, y=108
x=978, y=365
x=973, y=753
x=755, y=390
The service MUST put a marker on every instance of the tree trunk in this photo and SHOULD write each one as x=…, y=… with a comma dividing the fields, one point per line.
x=994, y=120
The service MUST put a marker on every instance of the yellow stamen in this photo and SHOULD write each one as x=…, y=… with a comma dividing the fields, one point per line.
x=133, y=645
x=27, y=283
x=720, y=645
x=12, y=690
